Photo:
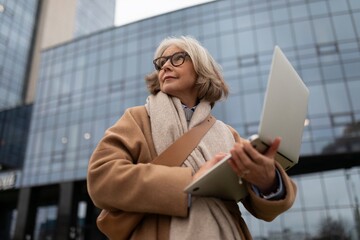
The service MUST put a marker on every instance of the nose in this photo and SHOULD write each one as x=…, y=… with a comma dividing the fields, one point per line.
x=167, y=64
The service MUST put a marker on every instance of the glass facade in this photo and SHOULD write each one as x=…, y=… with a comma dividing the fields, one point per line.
x=17, y=22
x=322, y=197
x=45, y=227
x=86, y=85
x=87, y=16
x=13, y=136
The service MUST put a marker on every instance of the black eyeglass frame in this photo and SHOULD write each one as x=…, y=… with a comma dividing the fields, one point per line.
x=183, y=54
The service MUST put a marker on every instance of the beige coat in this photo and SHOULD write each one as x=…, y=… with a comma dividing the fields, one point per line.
x=114, y=182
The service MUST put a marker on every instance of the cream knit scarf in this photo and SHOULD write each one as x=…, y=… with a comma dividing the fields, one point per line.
x=208, y=217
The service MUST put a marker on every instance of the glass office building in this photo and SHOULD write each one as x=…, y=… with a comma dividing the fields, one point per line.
x=22, y=34
x=17, y=27
x=92, y=16
x=85, y=86
x=12, y=135
x=17, y=23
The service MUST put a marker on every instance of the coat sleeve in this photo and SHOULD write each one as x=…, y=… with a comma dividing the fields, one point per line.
x=264, y=209
x=268, y=210
x=121, y=177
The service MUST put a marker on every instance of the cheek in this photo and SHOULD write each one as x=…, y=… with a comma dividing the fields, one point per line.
x=161, y=85
x=194, y=78
x=193, y=74
x=159, y=77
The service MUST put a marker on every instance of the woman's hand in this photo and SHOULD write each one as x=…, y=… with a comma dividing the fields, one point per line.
x=254, y=167
x=206, y=167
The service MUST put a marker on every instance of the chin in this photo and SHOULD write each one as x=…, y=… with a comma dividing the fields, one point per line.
x=167, y=90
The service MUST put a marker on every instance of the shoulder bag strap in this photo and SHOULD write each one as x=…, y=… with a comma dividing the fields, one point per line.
x=176, y=154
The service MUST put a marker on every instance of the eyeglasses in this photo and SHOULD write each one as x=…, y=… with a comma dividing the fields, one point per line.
x=176, y=60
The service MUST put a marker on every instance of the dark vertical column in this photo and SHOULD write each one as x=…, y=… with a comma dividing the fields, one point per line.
x=26, y=214
x=5, y=222
x=91, y=230
x=67, y=211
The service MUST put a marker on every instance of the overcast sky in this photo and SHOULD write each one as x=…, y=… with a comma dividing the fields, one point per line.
x=128, y=11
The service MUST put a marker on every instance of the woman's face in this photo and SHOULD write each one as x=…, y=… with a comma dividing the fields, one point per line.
x=178, y=81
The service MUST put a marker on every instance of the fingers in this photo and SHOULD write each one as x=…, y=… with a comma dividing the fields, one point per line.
x=217, y=158
x=254, y=167
x=220, y=156
x=209, y=164
x=240, y=160
x=271, y=152
x=245, y=155
x=253, y=154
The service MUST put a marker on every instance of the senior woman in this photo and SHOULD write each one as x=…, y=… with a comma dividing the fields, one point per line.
x=184, y=87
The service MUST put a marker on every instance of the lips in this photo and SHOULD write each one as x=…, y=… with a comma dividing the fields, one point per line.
x=168, y=77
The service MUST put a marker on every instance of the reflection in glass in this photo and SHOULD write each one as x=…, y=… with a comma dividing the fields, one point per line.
x=310, y=216
x=45, y=222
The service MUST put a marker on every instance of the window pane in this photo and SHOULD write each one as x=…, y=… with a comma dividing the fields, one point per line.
x=243, y=21
x=303, y=33
x=332, y=72
x=344, y=28
x=246, y=43
x=309, y=75
x=313, y=195
x=228, y=48
x=232, y=111
x=284, y=37
x=352, y=70
x=357, y=23
x=337, y=97
x=338, y=6
x=323, y=30
x=317, y=101
x=340, y=196
x=318, y=8
x=253, y=106
x=280, y=14
x=354, y=88
x=354, y=4
x=264, y=39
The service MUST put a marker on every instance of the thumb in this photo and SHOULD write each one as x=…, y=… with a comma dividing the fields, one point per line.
x=209, y=164
x=217, y=158
x=271, y=152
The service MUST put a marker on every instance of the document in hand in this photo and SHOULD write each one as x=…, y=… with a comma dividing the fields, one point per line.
x=283, y=115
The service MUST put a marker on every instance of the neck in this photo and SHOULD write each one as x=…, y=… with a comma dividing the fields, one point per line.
x=189, y=103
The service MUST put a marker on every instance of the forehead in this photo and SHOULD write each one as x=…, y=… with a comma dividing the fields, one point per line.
x=171, y=50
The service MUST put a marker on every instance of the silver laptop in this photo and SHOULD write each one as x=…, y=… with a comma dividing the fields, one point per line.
x=283, y=115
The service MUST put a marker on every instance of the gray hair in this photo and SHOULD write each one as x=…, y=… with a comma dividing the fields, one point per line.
x=210, y=82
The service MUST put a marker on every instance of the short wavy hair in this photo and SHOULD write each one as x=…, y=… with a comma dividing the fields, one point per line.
x=210, y=82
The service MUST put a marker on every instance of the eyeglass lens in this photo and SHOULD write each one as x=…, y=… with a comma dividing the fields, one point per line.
x=176, y=60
